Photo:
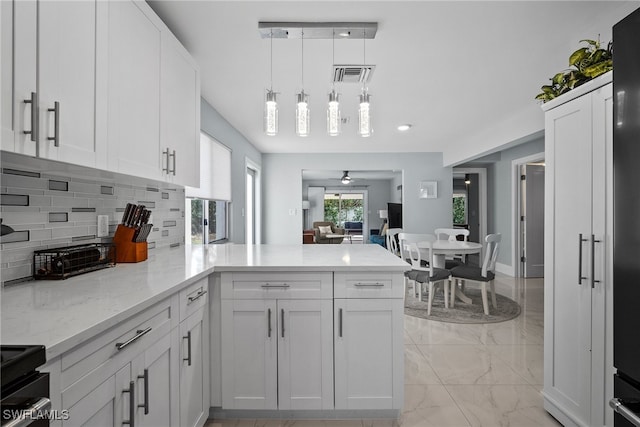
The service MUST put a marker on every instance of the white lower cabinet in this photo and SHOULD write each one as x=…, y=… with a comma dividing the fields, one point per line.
x=368, y=353
x=194, y=372
x=277, y=354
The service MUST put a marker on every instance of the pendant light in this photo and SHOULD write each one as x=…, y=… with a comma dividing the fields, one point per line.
x=364, y=113
x=334, y=121
x=303, y=116
x=271, y=104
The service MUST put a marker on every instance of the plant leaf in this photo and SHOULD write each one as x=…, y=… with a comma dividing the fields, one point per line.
x=597, y=69
x=591, y=42
x=578, y=56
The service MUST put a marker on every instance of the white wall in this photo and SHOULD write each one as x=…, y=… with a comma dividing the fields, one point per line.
x=282, y=189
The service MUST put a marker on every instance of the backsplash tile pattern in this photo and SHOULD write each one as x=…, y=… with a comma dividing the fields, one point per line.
x=38, y=223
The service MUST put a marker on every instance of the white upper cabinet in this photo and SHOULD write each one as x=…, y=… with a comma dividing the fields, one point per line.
x=134, y=90
x=180, y=112
x=67, y=82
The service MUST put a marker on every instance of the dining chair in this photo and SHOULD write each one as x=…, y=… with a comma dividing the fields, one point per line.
x=392, y=242
x=405, y=239
x=452, y=234
x=481, y=275
x=429, y=275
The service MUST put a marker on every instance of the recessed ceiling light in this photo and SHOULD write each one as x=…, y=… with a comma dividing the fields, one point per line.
x=404, y=128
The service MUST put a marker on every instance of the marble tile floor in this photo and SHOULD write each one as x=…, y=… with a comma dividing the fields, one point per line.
x=457, y=375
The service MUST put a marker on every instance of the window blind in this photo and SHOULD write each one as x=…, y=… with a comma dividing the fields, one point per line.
x=215, y=171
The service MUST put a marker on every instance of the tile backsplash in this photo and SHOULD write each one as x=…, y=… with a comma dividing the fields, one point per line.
x=51, y=205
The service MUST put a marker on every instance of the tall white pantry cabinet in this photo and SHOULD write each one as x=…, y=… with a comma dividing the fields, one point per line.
x=578, y=355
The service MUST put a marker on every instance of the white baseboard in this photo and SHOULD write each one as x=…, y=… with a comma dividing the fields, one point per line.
x=505, y=269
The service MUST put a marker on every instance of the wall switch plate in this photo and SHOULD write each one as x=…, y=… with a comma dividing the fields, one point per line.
x=103, y=225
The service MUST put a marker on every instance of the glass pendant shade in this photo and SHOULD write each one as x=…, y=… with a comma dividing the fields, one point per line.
x=303, y=116
x=334, y=122
x=364, y=115
x=271, y=114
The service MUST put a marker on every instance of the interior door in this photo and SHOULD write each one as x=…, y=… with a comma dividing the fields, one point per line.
x=534, y=221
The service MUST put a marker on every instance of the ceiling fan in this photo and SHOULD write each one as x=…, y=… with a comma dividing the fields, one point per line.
x=346, y=179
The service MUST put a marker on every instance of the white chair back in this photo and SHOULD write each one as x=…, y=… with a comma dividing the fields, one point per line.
x=426, y=241
x=452, y=233
x=405, y=239
x=392, y=244
x=492, y=247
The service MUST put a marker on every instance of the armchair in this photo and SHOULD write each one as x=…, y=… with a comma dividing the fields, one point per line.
x=321, y=235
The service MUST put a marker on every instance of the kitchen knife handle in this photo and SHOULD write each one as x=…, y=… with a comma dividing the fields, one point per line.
x=580, y=241
x=593, y=261
x=166, y=167
x=34, y=117
x=132, y=404
x=145, y=405
x=188, y=358
x=56, y=124
x=173, y=171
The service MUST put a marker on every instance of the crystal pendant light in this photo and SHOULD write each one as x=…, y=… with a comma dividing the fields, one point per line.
x=334, y=121
x=271, y=104
x=303, y=116
x=364, y=111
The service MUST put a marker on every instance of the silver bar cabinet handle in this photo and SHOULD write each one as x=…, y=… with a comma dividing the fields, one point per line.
x=56, y=124
x=268, y=285
x=377, y=284
x=282, y=323
x=145, y=405
x=269, y=323
x=30, y=414
x=188, y=358
x=593, y=261
x=340, y=323
x=628, y=414
x=34, y=117
x=139, y=334
x=580, y=276
x=132, y=404
x=173, y=171
x=197, y=296
x=166, y=167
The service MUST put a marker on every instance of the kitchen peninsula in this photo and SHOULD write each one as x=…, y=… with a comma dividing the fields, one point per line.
x=297, y=331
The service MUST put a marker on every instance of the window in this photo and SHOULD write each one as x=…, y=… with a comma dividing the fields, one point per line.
x=207, y=206
x=342, y=207
x=459, y=208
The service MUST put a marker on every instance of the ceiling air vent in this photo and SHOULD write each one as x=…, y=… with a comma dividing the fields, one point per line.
x=353, y=73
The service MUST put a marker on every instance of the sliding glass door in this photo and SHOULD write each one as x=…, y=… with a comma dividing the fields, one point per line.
x=343, y=207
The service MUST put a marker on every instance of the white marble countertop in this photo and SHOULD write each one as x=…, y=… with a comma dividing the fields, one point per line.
x=61, y=314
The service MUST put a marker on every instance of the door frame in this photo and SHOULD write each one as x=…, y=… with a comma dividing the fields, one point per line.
x=516, y=196
x=365, y=205
x=482, y=196
x=257, y=205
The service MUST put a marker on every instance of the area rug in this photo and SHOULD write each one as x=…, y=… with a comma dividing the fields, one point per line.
x=462, y=313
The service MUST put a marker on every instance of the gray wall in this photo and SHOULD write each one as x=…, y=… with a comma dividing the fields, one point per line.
x=499, y=192
x=282, y=189
x=212, y=123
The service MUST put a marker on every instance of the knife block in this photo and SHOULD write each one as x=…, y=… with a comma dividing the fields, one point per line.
x=126, y=250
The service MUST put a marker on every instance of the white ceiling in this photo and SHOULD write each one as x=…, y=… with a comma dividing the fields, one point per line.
x=356, y=175
x=452, y=69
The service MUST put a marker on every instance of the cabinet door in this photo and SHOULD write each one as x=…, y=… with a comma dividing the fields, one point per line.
x=19, y=51
x=249, y=354
x=180, y=111
x=108, y=405
x=67, y=75
x=194, y=373
x=369, y=365
x=134, y=90
x=305, y=354
x=568, y=202
x=156, y=379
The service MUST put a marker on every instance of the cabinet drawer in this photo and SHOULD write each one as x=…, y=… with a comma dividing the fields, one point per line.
x=193, y=297
x=277, y=285
x=369, y=285
x=109, y=350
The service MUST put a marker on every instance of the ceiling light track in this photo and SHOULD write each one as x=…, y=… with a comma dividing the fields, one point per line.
x=318, y=30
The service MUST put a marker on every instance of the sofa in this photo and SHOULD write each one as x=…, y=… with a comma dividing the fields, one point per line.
x=321, y=237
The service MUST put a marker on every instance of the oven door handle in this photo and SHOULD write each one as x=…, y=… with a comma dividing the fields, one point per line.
x=628, y=414
x=30, y=414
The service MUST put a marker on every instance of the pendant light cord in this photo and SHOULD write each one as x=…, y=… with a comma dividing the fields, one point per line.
x=333, y=55
x=271, y=48
x=302, y=62
x=364, y=52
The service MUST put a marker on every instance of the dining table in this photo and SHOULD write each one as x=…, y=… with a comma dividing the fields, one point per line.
x=442, y=248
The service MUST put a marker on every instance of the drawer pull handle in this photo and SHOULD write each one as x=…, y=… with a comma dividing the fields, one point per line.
x=188, y=358
x=56, y=124
x=269, y=285
x=34, y=117
x=376, y=284
x=166, y=168
x=145, y=377
x=139, y=334
x=197, y=296
x=593, y=261
x=282, y=324
x=340, y=323
x=132, y=404
x=269, y=323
